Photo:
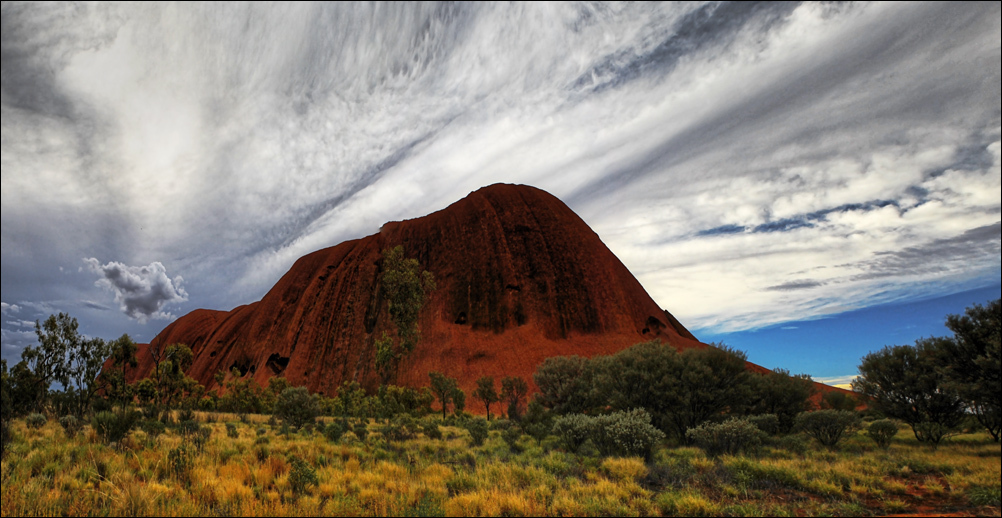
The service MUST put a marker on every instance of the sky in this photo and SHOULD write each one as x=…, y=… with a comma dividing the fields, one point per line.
x=757, y=166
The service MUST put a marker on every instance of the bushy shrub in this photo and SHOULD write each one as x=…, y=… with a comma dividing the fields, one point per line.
x=186, y=415
x=296, y=407
x=36, y=421
x=71, y=425
x=302, y=476
x=828, y=427
x=478, y=432
x=626, y=434
x=400, y=429
x=5, y=438
x=432, y=431
x=153, y=428
x=883, y=432
x=769, y=423
x=511, y=437
x=112, y=428
x=574, y=430
x=231, y=431
x=334, y=431
x=261, y=432
x=728, y=438
x=180, y=462
x=361, y=431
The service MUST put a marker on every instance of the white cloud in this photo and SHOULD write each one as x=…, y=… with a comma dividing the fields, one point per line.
x=228, y=140
x=141, y=291
x=9, y=309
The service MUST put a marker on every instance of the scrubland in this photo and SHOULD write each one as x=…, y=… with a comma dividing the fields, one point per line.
x=253, y=469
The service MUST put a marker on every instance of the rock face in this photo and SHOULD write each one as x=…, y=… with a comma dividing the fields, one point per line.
x=520, y=278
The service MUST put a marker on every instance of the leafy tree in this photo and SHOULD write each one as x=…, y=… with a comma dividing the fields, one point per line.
x=905, y=384
x=837, y=400
x=513, y=391
x=783, y=396
x=146, y=392
x=486, y=394
x=444, y=389
x=565, y=384
x=297, y=408
x=350, y=400
x=458, y=401
x=172, y=382
x=405, y=287
x=242, y=395
x=123, y=357
x=49, y=360
x=680, y=390
x=973, y=368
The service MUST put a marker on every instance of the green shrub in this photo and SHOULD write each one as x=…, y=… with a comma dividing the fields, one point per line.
x=478, y=432
x=262, y=441
x=71, y=425
x=883, y=432
x=261, y=432
x=5, y=438
x=36, y=421
x=231, y=431
x=985, y=497
x=511, y=437
x=180, y=462
x=361, y=431
x=112, y=428
x=574, y=430
x=334, y=431
x=432, y=431
x=297, y=408
x=728, y=438
x=401, y=428
x=186, y=415
x=768, y=423
x=626, y=434
x=828, y=427
x=302, y=476
x=153, y=429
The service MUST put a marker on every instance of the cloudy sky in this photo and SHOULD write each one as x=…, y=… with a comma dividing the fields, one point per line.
x=754, y=165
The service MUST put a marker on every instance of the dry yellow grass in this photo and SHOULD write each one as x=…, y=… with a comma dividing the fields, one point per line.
x=46, y=474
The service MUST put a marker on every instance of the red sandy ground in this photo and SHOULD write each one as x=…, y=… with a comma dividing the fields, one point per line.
x=520, y=278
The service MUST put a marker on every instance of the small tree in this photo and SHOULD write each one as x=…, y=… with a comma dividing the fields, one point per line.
x=728, y=438
x=297, y=408
x=829, y=427
x=565, y=384
x=486, y=394
x=783, y=396
x=444, y=389
x=973, y=368
x=405, y=287
x=513, y=392
x=458, y=401
x=837, y=400
x=123, y=357
x=905, y=384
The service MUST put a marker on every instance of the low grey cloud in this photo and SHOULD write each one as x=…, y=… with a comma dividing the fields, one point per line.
x=726, y=152
x=796, y=286
x=141, y=291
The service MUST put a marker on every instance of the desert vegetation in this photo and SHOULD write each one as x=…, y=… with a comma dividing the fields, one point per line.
x=649, y=431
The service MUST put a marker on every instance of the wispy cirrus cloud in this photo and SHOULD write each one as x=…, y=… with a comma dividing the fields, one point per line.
x=751, y=163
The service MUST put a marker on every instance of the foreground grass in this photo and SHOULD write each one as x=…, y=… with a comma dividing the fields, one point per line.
x=255, y=474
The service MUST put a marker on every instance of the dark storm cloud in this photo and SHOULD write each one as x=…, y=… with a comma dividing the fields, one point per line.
x=141, y=291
